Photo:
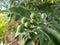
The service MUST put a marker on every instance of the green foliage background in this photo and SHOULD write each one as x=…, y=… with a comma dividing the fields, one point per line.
x=43, y=30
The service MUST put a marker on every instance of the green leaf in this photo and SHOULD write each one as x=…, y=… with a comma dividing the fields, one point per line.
x=43, y=38
x=28, y=42
x=17, y=17
x=1, y=31
x=22, y=11
x=2, y=11
x=33, y=35
x=54, y=36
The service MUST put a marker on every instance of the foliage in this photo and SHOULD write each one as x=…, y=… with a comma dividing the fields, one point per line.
x=35, y=22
